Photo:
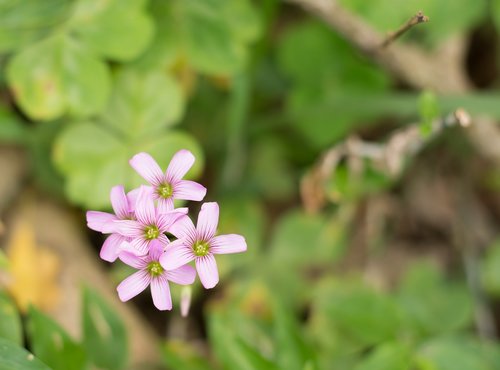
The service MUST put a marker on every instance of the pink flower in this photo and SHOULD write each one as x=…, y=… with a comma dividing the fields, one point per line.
x=200, y=244
x=123, y=205
x=151, y=273
x=149, y=224
x=169, y=185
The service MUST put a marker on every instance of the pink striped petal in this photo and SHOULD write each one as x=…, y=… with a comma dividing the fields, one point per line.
x=147, y=167
x=230, y=243
x=133, y=285
x=183, y=228
x=180, y=164
x=207, y=271
x=111, y=247
x=165, y=205
x=164, y=221
x=96, y=220
x=119, y=202
x=189, y=190
x=141, y=246
x=163, y=239
x=208, y=218
x=133, y=260
x=156, y=248
x=183, y=275
x=160, y=291
x=132, y=197
x=128, y=228
x=176, y=255
x=145, y=210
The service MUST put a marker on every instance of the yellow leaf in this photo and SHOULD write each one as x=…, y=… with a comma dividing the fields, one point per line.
x=33, y=270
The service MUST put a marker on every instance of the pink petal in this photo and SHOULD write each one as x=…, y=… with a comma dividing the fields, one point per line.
x=147, y=167
x=141, y=246
x=183, y=275
x=145, y=210
x=132, y=196
x=128, y=228
x=165, y=205
x=180, y=164
x=163, y=239
x=119, y=202
x=176, y=255
x=207, y=270
x=156, y=248
x=208, y=218
x=166, y=220
x=160, y=291
x=183, y=228
x=111, y=247
x=96, y=220
x=133, y=285
x=230, y=243
x=185, y=300
x=132, y=260
x=189, y=190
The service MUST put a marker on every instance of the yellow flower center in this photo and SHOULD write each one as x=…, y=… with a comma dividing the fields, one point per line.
x=165, y=190
x=201, y=248
x=155, y=269
x=151, y=232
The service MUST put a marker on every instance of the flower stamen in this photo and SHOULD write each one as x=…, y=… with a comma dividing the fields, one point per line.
x=165, y=190
x=154, y=268
x=151, y=232
x=201, y=248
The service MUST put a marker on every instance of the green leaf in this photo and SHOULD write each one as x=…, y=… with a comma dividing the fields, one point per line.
x=245, y=216
x=490, y=269
x=181, y=355
x=425, y=311
x=231, y=350
x=13, y=357
x=387, y=356
x=41, y=138
x=10, y=320
x=25, y=21
x=213, y=36
x=52, y=344
x=334, y=72
x=453, y=353
x=11, y=129
x=104, y=335
x=302, y=239
x=144, y=103
x=67, y=79
x=429, y=111
x=270, y=171
x=292, y=350
x=116, y=29
x=356, y=314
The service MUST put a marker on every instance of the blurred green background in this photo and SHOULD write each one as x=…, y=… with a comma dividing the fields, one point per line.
x=369, y=270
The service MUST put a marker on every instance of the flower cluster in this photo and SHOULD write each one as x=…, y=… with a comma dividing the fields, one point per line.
x=142, y=218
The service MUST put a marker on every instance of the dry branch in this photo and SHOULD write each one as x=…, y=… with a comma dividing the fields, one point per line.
x=413, y=21
x=388, y=157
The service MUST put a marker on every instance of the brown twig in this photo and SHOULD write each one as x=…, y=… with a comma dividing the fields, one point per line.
x=413, y=21
x=388, y=157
